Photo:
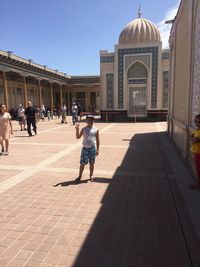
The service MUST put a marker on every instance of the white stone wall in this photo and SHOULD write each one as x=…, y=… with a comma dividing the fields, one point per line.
x=185, y=75
x=196, y=74
x=180, y=85
x=182, y=70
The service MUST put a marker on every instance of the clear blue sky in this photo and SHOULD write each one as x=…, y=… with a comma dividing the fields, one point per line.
x=67, y=35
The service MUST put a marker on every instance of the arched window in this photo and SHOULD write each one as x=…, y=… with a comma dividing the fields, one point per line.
x=137, y=70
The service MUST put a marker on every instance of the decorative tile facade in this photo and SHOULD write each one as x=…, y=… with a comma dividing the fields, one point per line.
x=137, y=81
x=196, y=75
x=134, y=51
x=130, y=59
x=165, y=89
x=109, y=90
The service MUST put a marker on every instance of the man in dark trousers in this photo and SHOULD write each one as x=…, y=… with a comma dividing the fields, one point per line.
x=30, y=113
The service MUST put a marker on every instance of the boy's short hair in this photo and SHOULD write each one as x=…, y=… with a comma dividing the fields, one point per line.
x=89, y=117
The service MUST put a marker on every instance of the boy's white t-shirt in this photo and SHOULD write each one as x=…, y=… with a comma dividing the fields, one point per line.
x=89, y=137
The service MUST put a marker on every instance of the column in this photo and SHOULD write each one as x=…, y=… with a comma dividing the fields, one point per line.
x=51, y=96
x=68, y=101
x=40, y=93
x=25, y=92
x=5, y=91
x=87, y=99
x=61, y=97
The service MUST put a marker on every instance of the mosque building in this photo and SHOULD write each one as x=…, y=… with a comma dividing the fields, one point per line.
x=133, y=82
x=135, y=77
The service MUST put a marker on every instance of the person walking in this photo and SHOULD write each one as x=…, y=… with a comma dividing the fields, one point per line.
x=91, y=144
x=42, y=113
x=64, y=114
x=74, y=112
x=195, y=149
x=30, y=113
x=21, y=117
x=79, y=110
x=5, y=130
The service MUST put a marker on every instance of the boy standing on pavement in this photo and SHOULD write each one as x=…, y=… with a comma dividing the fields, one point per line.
x=90, y=149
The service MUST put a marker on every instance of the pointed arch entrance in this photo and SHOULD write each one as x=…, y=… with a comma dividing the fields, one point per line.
x=137, y=80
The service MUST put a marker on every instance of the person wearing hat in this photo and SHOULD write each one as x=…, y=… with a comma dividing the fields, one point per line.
x=91, y=144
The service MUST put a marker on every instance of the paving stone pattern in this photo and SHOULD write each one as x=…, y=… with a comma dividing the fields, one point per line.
x=137, y=213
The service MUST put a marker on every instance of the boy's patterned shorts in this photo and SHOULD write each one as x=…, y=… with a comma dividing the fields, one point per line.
x=88, y=155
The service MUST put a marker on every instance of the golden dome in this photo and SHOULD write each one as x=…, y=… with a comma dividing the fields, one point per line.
x=139, y=30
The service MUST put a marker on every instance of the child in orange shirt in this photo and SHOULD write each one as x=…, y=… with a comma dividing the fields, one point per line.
x=195, y=149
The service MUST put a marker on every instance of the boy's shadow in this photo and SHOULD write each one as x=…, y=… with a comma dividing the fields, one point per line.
x=74, y=182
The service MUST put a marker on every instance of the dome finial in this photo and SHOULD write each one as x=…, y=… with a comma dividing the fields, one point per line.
x=139, y=11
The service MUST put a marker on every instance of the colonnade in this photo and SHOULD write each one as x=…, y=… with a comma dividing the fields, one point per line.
x=16, y=88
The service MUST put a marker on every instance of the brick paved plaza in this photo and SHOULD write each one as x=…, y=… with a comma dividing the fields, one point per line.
x=139, y=212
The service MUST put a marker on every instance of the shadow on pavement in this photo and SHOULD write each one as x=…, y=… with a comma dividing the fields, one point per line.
x=21, y=136
x=138, y=224
x=102, y=180
x=73, y=182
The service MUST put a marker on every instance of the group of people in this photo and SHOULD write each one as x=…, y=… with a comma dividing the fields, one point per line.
x=28, y=118
x=42, y=113
x=6, y=128
x=91, y=140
